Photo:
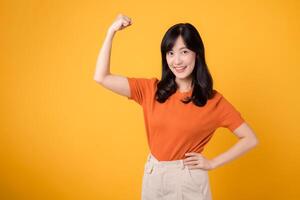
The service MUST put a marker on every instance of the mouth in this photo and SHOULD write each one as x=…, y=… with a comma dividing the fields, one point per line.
x=180, y=69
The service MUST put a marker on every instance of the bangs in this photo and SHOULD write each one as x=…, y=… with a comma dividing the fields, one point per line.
x=170, y=42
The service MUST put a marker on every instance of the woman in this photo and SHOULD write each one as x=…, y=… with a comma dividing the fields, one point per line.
x=182, y=111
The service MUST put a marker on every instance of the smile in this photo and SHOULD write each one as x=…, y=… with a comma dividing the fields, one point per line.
x=180, y=69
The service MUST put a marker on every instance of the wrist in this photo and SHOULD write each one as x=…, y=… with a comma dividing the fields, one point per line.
x=111, y=31
x=213, y=164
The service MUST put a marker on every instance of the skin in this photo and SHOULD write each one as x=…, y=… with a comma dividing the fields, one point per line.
x=180, y=55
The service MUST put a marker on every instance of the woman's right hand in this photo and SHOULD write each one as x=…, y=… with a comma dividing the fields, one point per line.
x=120, y=23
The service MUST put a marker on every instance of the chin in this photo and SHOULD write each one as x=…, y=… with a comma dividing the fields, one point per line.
x=182, y=76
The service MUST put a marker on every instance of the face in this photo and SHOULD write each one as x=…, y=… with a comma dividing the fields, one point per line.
x=181, y=60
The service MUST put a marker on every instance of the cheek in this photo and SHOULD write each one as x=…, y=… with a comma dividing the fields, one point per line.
x=191, y=59
x=192, y=64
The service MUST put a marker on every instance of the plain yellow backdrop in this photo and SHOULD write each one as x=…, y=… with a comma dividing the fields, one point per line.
x=63, y=136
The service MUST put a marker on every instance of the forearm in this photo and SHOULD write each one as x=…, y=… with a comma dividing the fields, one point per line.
x=103, y=60
x=238, y=149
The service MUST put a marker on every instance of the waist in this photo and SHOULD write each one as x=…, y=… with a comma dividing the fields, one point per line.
x=172, y=163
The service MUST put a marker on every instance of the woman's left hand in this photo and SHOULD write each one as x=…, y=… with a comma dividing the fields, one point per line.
x=197, y=161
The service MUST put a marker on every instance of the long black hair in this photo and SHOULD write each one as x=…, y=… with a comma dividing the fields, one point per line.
x=202, y=81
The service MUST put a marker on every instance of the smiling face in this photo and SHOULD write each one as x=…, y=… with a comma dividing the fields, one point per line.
x=181, y=60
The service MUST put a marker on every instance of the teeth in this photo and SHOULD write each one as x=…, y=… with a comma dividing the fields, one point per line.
x=180, y=67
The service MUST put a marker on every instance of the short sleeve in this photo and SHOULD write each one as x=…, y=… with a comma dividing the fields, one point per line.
x=228, y=116
x=141, y=89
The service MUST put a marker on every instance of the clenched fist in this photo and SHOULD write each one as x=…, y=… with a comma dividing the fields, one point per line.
x=121, y=22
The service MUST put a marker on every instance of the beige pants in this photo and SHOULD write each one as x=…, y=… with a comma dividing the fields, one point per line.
x=171, y=180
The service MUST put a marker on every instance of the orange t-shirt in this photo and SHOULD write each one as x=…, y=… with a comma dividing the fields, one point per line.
x=174, y=128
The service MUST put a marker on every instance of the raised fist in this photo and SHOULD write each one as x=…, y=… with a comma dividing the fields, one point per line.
x=121, y=22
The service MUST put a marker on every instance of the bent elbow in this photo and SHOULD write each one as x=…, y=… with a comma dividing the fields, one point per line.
x=254, y=142
x=97, y=81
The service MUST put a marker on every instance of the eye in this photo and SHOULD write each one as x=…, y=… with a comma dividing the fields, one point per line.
x=185, y=51
x=170, y=53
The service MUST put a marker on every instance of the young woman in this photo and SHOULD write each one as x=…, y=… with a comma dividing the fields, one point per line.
x=182, y=111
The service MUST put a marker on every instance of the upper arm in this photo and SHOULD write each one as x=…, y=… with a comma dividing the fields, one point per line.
x=116, y=83
x=245, y=131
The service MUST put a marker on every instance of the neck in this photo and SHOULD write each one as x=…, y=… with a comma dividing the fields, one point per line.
x=184, y=85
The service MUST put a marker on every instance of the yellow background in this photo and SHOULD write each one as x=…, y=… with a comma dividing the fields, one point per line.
x=63, y=136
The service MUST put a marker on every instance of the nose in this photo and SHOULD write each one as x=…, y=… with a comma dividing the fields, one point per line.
x=177, y=60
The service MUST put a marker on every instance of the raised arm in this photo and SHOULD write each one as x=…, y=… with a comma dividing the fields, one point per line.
x=116, y=83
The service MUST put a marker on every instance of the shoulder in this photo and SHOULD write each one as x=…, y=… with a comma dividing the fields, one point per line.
x=217, y=96
x=142, y=88
x=142, y=83
x=218, y=99
x=143, y=80
x=221, y=102
x=153, y=81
